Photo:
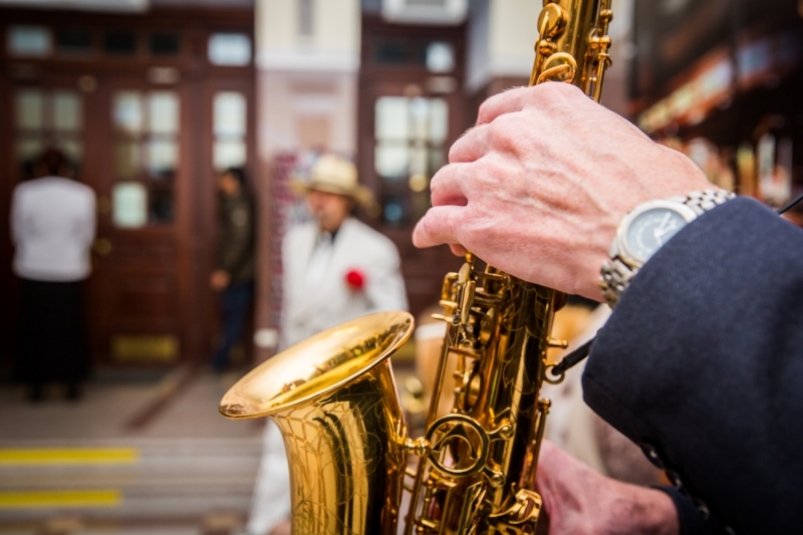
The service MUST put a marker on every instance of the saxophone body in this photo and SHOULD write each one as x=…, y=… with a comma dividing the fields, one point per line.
x=479, y=474
x=334, y=399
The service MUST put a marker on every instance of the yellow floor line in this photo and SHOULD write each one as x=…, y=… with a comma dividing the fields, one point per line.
x=60, y=499
x=33, y=456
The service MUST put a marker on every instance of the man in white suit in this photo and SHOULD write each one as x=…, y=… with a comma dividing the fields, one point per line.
x=335, y=269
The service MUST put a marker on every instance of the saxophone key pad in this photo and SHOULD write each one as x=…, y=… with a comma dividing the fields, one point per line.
x=459, y=445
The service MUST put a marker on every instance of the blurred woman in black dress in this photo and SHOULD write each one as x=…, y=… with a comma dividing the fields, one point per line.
x=53, y=228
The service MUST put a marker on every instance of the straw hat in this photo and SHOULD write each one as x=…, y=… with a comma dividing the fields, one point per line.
x=334, y=174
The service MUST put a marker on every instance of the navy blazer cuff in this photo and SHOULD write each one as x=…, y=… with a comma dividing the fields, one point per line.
x=701, y=363
x=689, y=518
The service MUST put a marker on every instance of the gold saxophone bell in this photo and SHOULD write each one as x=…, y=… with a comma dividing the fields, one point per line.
x=334, y=399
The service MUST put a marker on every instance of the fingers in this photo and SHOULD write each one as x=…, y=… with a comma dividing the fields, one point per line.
x=447, y=187
x=458, y=250
x=548, y=455
x=439, y=225
x=471, y=146
x=557, y=471
x=508, y=101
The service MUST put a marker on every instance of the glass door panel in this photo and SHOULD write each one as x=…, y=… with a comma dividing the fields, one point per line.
x=410, y=136
x=229, y=127
x=48, y=119
x=146, y=156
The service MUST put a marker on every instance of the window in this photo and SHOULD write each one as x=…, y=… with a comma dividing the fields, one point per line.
x=435, y=56
x=129, y=205
x=229, y=116
x=164, y=44
x=29, y=41
x=74, y=41
x=391, y=53
x=410, y=138
x=306, y=19
x=230, y=49
x=440, y=57
x=48, y=119
x=120, y=43
x=146, y=154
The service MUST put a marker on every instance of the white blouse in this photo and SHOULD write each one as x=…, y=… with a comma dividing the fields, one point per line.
x=53, y=227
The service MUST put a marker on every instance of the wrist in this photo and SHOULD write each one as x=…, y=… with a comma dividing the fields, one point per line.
x=655, y=513
x=645, y=230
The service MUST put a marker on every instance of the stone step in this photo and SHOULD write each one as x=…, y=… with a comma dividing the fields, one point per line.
x=155, y=478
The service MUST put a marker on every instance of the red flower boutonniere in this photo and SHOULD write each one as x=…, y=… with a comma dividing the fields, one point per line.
x=355, y=280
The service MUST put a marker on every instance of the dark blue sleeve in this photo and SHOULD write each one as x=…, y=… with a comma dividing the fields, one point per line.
x=702, y=364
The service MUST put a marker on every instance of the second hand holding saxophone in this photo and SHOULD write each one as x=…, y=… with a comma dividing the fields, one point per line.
x=334, y=399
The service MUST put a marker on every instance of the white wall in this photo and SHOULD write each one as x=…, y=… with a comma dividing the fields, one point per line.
x=334, y=45
x=307, y=79
x=287, y=98
x=501, y=40
x=501, y=36
x=512, y=34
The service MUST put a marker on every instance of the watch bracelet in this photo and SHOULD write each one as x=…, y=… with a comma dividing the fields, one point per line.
x=615, y=275
x=707, y=199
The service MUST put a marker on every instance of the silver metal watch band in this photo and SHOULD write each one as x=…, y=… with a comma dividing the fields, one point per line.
x=615, y=275
x=707, y=199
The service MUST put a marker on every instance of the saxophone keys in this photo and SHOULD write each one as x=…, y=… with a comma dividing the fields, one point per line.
x=546, y=47
x=495, y=478
x=466, y=301
x=524, y=511
x=504, y=431
x=441, y=317
x=419, y=447
x=464, y=274
x=559, y=67
x=554, y=342
x=551, y=21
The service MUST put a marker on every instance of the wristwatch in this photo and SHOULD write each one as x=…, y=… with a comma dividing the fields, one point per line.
x=645, y=229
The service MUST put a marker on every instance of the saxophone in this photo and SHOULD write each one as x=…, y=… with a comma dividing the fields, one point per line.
x=334, y=399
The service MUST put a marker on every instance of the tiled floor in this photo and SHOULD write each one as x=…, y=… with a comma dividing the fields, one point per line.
x=131, y=457
x=138, y=454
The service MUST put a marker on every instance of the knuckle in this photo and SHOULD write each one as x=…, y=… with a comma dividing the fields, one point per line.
x=484, y=114
x=437, y=181
x=427, y=227
x=501, y=132
x=552, y=93
x=457, y=149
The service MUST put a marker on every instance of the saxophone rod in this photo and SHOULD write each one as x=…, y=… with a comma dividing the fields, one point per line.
x=573, y=358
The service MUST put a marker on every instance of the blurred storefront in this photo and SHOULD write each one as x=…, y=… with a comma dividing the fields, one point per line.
x=391, y=84
x=722, y=81
x=148, y=100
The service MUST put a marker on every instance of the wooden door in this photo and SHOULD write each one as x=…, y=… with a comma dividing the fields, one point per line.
x=33, y=117
x=224, y=138
x=412, y=108
x=140, y=295
x=144, y=87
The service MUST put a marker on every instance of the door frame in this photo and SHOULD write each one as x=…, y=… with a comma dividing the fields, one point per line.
x=195, y=190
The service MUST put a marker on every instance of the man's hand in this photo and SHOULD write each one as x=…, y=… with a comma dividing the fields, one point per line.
x=580, y=501
x=219, y=280
x=285, y=528
x=540, y=185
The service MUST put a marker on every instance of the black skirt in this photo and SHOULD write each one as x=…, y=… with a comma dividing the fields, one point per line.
x=52, y=333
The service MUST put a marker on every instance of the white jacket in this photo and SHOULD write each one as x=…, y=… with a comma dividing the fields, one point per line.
x=308, y=309
x=52, y=227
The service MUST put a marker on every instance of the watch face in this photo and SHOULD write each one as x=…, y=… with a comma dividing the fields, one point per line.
x=650, y=230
